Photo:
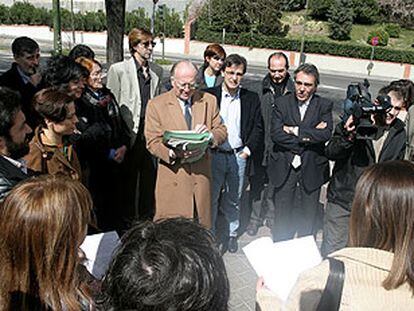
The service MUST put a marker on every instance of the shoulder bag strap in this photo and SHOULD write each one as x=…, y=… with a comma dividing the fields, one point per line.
x=331, y=296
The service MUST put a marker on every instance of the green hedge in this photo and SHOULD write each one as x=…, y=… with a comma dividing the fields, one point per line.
x=311, y=46
x=26, y=13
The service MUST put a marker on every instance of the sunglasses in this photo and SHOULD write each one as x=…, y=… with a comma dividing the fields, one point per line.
x=146, y=44
x=218, y=58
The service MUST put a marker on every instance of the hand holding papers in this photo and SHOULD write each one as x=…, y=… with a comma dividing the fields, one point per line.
x=99, y=249
x=281, y=263
x=192, y=143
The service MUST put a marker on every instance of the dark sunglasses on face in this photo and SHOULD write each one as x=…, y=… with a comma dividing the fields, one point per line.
x=146, y=44
x=218, y=58
x=277, y=70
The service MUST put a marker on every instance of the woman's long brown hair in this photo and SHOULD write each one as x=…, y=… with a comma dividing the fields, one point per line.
x=382, y=217
x=42, y=223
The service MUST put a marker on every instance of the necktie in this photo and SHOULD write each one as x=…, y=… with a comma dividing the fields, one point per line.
x=187, y=114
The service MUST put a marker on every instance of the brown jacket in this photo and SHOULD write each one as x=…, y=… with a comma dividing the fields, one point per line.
x=51, y=160
x=180, y=185
x=365, y=270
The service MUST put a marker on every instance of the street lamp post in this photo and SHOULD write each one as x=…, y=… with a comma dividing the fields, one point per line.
x=154, y=4
x=57, y=35
x=302, y=42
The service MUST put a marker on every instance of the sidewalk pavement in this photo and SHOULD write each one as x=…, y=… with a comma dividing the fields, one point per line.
x=257, y=57
x=241, y=275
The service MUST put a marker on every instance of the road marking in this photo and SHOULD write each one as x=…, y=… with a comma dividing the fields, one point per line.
x=330, y=87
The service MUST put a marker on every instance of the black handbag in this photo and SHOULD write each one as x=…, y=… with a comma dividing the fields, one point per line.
x=332, y=294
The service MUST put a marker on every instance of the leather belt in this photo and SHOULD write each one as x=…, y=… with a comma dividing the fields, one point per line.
x=232, y=151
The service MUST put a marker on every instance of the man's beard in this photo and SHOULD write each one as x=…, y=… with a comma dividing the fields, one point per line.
x=17, y=151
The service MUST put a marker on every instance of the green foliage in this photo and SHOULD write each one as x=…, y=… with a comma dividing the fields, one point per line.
x=173, y=24
x=394, y=30
x=319, y=9
x=365, y=11
x=382, y=35
x=4, y=14
x=136, y=19
x=292, y=5
x=240, y=16
x=21, y=13
x=340, y=20
x=26, y=13
x=311, y=46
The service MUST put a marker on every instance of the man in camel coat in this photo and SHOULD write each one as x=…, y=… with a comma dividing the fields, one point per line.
x=183, y=189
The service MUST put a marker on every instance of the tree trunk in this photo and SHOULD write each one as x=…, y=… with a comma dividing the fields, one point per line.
x=115, y=21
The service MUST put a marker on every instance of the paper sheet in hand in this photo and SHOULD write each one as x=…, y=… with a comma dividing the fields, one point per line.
x=98, y=249
x=281, y=263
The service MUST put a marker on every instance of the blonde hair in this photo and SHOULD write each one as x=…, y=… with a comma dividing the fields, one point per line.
x=43, y=221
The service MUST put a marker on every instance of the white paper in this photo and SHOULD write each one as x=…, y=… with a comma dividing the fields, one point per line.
x=281, y=263
x=99, y=249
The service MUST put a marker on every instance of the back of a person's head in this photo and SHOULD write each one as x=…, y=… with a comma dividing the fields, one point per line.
x=62, y=69
x=9, y=107
x=382, y=217
x=42, y=223
x=81, y=50
x=169, y=265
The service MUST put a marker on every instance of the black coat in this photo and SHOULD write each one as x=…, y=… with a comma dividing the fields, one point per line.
x=352, y=157
x=101, y=125
x=251, y=126
x=13, y=80
x=201, y=83
x=10, y=176
x=309, y=144
x=268, y=100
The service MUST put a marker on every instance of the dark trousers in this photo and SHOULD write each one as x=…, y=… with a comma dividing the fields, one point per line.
x=296, y=209
x=263, y=205
x=140, y=171
x=335, y=228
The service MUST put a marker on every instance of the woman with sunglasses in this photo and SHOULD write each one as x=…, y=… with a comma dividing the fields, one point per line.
x=209, y=74
x=102, y=143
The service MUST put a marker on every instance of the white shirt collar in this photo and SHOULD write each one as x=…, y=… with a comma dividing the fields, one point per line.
x=20, y=163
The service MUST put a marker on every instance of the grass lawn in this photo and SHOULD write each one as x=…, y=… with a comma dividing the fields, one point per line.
x=318, y=30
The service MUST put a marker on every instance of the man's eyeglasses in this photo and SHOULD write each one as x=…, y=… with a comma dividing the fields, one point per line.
x=182, y=86
x=146, y=44
x=218, y=58
x=305, y=84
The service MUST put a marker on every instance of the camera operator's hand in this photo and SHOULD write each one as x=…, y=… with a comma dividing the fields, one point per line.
x=322, y=125
x=349, y=125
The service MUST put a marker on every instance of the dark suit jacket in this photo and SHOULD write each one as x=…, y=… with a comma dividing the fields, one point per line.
x=10, y=176
x=13, y=80
x=309, y=144
x=251, y=126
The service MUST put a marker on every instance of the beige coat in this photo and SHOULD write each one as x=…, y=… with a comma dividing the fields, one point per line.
x=180, y=185
x=365, y=270
x=123, y=82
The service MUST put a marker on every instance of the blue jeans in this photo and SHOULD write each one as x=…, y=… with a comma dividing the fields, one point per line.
x=228, y=178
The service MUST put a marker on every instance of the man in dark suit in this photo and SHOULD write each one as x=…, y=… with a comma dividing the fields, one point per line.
x=14, y=142
x=301, y=124
x=240, y=111
x=24, y=76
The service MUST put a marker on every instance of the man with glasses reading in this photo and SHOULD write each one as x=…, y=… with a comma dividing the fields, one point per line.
x=183, y=189
x=301, y=124
x=240, y=111
x=276, y=83
x=134, y=82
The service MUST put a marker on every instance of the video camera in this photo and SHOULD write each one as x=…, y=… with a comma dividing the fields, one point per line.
x=358, y=103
